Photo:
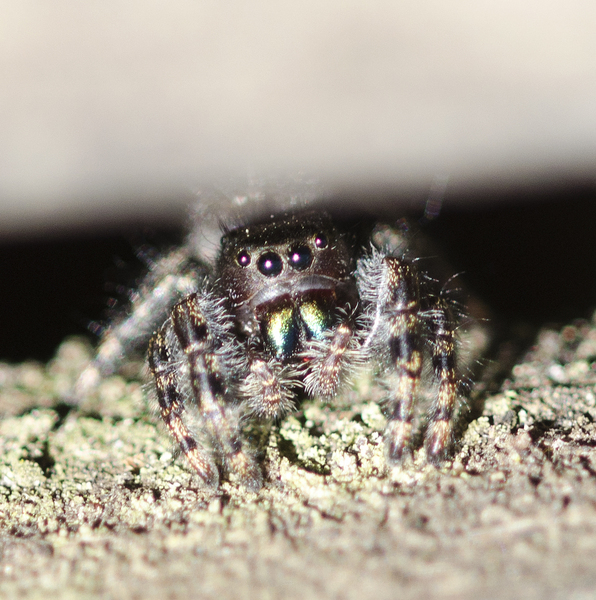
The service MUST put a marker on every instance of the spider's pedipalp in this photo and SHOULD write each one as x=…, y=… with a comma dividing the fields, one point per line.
x=327, y=361
x=269, y=388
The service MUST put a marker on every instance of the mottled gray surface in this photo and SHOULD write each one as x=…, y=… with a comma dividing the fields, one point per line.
x=93, y=503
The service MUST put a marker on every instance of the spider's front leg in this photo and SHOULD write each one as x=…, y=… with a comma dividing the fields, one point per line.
x=442, y=341
x=202, y=348
x=171, y=406
x=398, y=331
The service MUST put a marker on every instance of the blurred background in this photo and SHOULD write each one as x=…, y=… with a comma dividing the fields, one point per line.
x=114, y=116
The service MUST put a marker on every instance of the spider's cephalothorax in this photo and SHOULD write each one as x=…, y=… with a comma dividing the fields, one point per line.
x=291, y=305
x=284, y=281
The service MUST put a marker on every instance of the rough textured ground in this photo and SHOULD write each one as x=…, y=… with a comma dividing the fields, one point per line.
x=93, y=503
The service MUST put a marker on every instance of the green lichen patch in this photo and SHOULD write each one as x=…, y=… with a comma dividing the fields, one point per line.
x=96, y=502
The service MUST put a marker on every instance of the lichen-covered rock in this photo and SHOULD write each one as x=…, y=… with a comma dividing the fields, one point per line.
x=95, y=502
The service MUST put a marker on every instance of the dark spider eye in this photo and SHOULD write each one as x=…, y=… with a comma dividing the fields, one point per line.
x=321, y=241
x=243, y=258
x=270, y=264
x=300, y=257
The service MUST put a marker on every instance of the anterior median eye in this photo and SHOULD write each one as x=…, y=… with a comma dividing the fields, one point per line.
x=270, y=264
x=300, y=257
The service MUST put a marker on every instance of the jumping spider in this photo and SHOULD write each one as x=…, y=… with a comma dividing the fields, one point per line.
x=292, y=306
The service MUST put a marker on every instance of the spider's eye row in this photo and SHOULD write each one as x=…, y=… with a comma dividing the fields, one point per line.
x=300, y=257
x=270, y=264
x=243, y=258
x=321, y=241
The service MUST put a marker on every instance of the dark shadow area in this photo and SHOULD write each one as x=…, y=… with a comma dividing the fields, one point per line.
x=531, y=258
x=60, y=287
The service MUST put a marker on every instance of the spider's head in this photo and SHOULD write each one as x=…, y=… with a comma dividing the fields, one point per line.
x=288, y=274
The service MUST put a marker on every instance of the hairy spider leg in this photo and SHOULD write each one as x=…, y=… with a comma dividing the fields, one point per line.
x=439, y=432
x=401, y=308
x=149, y=307
x=171, y=408
x=193, y=332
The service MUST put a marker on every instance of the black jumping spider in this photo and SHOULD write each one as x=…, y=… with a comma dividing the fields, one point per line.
x=289, y=306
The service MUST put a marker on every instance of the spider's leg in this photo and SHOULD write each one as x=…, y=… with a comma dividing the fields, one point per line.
x=171, y=407
x=208, y=386
x=442, y=342
x=170, y=278
x=400, y=332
